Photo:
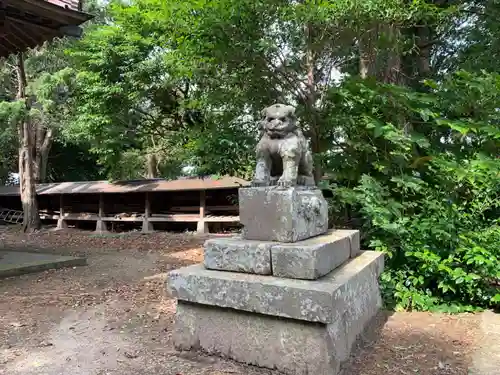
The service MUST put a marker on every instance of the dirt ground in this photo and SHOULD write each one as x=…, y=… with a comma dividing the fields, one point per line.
x=113, y=317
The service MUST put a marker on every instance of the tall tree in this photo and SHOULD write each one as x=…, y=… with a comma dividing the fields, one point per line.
x=27, y=134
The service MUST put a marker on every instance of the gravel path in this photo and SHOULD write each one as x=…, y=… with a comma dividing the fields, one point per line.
x=486, y=358
x=113, y=317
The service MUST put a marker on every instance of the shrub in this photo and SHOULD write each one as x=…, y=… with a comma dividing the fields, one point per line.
x=419, y=173
x=442, y=245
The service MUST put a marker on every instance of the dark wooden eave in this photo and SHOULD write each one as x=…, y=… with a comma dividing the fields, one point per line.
x=25, y=24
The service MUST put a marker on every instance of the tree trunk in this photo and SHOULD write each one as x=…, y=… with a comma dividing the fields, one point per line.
x=44, y=139
x=367, y=56
x=310, y=101
x=393, y=73
x=424, y=43
x=31, y=217
x=151, y=166
x=379, y=54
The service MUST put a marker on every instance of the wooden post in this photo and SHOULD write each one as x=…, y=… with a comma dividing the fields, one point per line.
x=147, y=226
x=101, y=225
x=61, y=223
x=202, y=225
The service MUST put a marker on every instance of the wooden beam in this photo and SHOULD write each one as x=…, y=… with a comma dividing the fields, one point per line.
x=3, y=51
x=25, y=33
x=202, y=226
x=222, y=219
x=147, y=226
x=100, y=226
x=101, y=206
x=203, y=203
x=4, y=27
x=13, y=47
x=20, y=36
x=61, y=223
x=177, y=218
x=39, y=28
x=207, y=208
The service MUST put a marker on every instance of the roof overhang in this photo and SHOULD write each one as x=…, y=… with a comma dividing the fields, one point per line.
x=26, y=24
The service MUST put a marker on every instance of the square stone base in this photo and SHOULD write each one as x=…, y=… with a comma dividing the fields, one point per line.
x=284, y=215
x=290, y=346
x=308, y=259
x=294, y=347
x=299, y=327
x=238, y=255
x=353, y=285
x=315, y=257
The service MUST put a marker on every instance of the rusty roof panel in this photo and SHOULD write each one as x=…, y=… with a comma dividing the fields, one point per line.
x=136, y=186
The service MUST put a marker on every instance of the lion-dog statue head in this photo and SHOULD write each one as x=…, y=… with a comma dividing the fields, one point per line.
x=283, y=156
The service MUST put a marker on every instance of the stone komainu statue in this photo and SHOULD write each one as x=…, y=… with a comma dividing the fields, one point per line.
x=283, y=155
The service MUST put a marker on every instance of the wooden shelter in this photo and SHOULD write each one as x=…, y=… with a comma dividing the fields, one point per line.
x=26, y=24
x=152, y=204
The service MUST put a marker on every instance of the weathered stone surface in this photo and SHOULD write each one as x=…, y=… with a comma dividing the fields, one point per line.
x=290, y=346
x=238, y=255
x=284, y=215
x=294, y=347
x=355, y=240
x=308, y=259
x=312, y=258
x=323, y=300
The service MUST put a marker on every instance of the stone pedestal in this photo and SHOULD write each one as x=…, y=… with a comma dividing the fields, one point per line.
x=288, y=215
x=287, y=294
x=308, y=259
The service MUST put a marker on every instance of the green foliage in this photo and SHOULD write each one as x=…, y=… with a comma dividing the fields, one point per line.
x=139, y=89
x=414, y=164
x=429, y=196
x=72, y=162
x=234, y=144
x=442, y=252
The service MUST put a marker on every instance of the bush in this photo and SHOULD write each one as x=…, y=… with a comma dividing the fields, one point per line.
x=442, y=245
x=419, y=174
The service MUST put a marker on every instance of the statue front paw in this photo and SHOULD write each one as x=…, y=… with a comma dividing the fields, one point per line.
x=285, y=183
x=260, y=183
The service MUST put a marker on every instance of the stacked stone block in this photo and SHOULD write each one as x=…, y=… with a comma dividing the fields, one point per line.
x=287, y=294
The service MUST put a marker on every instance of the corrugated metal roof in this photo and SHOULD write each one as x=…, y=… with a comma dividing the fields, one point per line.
x=136, y=186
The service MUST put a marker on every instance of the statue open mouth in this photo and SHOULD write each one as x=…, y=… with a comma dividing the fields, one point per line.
x=275, y=134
